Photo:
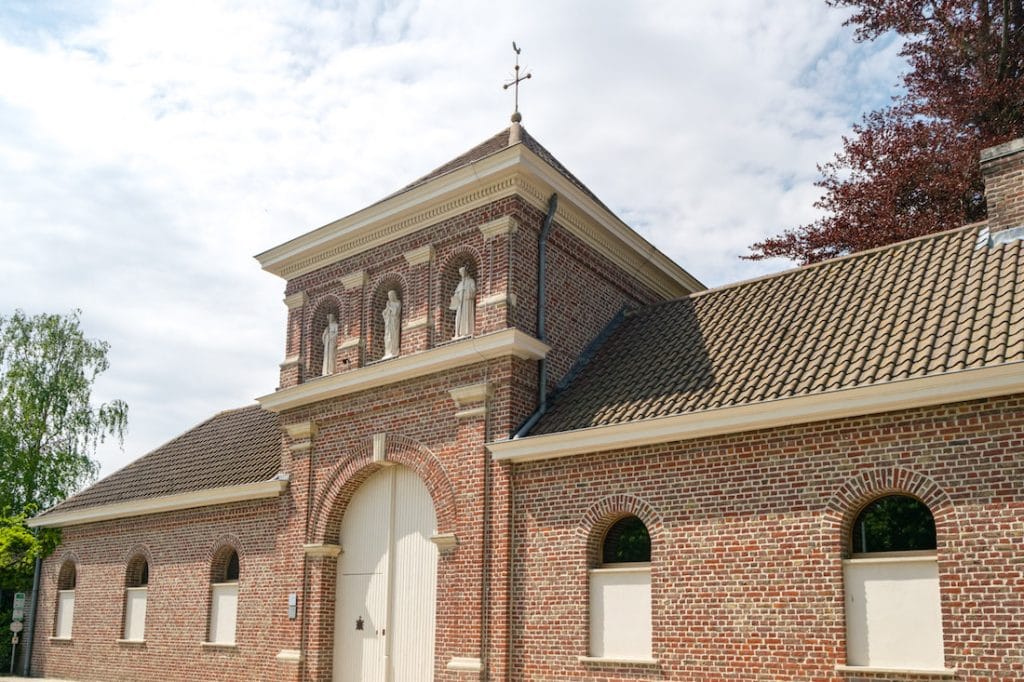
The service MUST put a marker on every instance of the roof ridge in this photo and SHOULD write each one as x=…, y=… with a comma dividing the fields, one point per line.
x=831, y=261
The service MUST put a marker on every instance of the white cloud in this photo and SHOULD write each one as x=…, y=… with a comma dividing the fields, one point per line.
x=148, y=150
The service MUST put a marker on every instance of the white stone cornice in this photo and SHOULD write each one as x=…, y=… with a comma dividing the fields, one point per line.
x=419, y=256
x=507, y=342
x=445, y=542
x=513, y=170
x=301, y=430
x=165, y=503
x=506, y=224
x=471, y=394
x=351, y=342
x=500, y=298
x=321, y=549
x=289, y=656
x=296, y=300
x=465, y=664
x=354, y=280
x=851, y=402
x=290, y=361
x=415, y=324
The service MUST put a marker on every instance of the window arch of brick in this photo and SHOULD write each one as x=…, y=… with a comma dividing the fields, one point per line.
x=375, y=344
x=64, y=609
x=599, y=519
x=67, y=576
x=225, y=563
x=892, y=599
x=846, y=504
x=138, y=567
x=225, y=596
x=463, y=256
x=620, y=593
x=328, y=305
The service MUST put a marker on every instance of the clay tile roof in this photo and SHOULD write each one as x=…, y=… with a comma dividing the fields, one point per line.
x=928, y=306
x=231, y=448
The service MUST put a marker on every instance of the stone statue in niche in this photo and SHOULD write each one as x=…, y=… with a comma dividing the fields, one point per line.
x=330, y=339
x=392, y=314
x=464, y=304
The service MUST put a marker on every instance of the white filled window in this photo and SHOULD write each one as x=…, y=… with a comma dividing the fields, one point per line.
x=893, y=615
x=620, y=594
x=224, y=600
x=65, y=616
x=136, y=594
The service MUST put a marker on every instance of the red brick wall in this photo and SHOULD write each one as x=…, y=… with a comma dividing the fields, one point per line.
x=1003, y=169
x=748, y=536
x=181, y=548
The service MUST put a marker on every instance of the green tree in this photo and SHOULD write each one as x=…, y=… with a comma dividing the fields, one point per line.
x=49, y=429
x=912, y=168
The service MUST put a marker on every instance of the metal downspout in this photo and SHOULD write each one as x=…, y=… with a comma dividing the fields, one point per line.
x=26, y=650
x=542, y=269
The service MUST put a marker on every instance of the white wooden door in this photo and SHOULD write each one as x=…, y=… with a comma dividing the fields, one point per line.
x=387, y=575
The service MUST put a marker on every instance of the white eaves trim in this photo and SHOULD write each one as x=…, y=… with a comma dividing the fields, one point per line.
x=897, y=395
x=455, y=354
x=157, y=505
x=414, y=209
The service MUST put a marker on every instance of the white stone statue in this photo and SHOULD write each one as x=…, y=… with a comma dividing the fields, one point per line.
x=330, y=339
x=392, y=314
x=464, y=304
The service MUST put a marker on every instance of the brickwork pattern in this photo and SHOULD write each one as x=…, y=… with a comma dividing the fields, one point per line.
x=749, y=534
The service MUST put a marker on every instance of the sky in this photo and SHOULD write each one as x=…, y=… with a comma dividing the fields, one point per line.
x=149, y=149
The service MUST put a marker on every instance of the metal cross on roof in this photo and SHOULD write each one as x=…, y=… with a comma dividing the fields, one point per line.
x=516, y=117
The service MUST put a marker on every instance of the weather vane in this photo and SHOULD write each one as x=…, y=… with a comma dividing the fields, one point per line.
x=516, y=117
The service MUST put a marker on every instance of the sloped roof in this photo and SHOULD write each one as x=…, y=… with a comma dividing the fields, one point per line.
x=928, y=306
x=493, y=145
x=231, y=448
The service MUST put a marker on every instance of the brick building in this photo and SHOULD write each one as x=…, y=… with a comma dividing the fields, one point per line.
x=615, y=474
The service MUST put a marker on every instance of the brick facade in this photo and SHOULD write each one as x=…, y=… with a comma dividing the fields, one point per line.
x=748, y=530
x=748, y=537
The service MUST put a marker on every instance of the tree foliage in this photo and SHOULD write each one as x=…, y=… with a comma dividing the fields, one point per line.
x=49, y=429
x=19, y=548
x=912, y=168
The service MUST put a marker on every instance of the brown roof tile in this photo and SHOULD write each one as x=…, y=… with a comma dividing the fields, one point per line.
x=927, y=306
x=231, y=448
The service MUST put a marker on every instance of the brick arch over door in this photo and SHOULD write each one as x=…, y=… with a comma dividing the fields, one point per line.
x=846, y=503
x=353, y=470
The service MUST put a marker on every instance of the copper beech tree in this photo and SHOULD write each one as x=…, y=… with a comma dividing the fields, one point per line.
x=912, y=169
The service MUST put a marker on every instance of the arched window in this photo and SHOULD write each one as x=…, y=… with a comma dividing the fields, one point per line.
x=136, y=595
x=66, y=581
x=620, y=593
x=224, y=596
x=893, y=615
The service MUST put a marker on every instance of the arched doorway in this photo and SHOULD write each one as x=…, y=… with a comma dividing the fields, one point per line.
x=387, y=582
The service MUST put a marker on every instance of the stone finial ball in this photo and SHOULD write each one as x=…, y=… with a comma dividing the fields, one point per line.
x=517, y=117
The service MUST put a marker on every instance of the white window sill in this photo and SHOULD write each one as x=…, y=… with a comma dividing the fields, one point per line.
x=60, y=639
x=131, y=641
x=600, y=660
x=219, y=645
x=869, y=670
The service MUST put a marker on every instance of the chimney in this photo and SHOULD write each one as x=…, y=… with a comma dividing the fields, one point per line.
x=1002, y=167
